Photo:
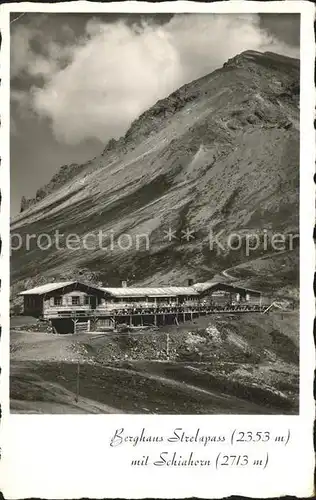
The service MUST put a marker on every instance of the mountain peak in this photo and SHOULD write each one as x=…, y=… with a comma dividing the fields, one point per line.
x=270, y=60
x=219, y=153
x=265, y=65
x=250, y=73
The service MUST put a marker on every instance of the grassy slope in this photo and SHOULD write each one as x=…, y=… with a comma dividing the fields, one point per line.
x=227, y=364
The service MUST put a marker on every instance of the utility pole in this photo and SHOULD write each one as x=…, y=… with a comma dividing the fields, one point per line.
x=78, y=382
x=168, y=346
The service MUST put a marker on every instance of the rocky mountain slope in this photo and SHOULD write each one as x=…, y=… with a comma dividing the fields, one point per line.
x=220, y=154
x=63, y=175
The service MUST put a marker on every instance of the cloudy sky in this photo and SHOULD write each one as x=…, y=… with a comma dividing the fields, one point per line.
x=79, y=79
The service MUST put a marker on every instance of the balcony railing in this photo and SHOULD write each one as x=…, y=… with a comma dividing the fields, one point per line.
x=127, y=310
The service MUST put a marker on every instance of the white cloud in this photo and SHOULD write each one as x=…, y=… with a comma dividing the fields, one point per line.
x=116, y=71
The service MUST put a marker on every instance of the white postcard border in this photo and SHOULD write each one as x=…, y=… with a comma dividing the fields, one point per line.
x=53, y=456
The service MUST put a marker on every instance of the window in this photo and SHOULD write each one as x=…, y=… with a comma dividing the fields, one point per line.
x=58, y=301
x=75, y=300
x=87, y=300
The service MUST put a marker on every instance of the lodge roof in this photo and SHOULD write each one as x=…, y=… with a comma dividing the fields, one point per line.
x=56, y=285
x=48, y=287
x=166, y=291
x=207, y=285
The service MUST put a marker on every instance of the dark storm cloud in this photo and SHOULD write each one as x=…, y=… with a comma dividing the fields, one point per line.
x=285, y=28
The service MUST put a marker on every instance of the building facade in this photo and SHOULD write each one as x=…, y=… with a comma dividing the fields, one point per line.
x=55, y=299
x=73, y=306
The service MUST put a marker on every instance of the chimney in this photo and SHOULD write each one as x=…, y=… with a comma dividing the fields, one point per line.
x=124, y=284
x=190, y=282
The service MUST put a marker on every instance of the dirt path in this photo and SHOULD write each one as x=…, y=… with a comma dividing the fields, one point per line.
x=227, y=275
x=38, y=346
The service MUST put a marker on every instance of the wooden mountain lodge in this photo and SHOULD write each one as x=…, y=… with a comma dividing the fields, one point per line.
x=72, y=306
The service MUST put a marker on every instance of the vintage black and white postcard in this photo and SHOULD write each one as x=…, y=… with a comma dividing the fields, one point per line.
x=157, y=257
